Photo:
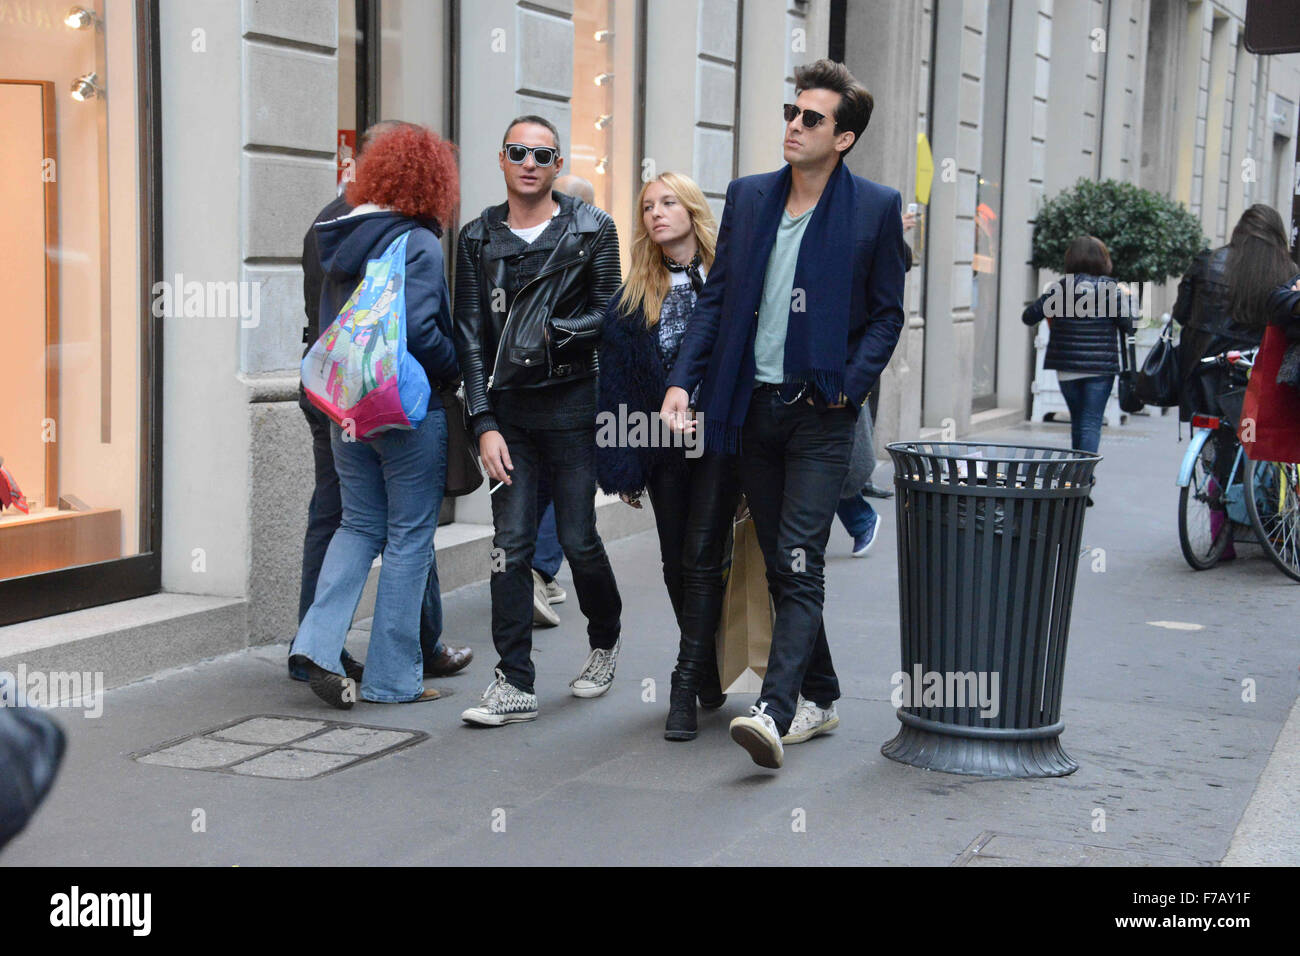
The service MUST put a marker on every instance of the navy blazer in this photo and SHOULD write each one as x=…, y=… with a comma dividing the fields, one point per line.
x=734, y=287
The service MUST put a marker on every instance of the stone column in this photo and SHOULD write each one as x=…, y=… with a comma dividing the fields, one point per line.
x=288, y=172
x=884, y=44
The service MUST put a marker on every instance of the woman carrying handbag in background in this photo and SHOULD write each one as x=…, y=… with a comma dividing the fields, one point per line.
x=1082, y=348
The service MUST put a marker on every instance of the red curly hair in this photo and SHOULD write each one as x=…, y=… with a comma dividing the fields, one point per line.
x=408, y=169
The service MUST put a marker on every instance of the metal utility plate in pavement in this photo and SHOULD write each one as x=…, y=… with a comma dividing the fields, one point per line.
x=284, y=748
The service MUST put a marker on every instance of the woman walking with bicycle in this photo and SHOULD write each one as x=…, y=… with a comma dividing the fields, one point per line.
x=1232, y=298
x=1217, y=297
x=1084, y=311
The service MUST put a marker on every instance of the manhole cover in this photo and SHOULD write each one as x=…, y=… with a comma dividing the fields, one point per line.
x=286, y=748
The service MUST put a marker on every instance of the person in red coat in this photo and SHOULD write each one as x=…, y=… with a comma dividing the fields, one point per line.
x=1263, y=292
x=1275, y=382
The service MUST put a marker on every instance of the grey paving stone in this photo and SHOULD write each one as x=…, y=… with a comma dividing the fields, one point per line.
x=269, y=730
x=201, y=753
x=1011, y=850
x=1166, y=745
x=292, y=764
x=354, y=740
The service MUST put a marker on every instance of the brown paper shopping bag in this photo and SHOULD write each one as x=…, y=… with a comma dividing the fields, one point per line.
x=745, y=632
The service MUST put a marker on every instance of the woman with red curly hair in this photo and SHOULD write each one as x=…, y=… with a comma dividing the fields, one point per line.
x=392, y=486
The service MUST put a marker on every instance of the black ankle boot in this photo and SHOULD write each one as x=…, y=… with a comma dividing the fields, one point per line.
x=681, y=713
x=711, y=695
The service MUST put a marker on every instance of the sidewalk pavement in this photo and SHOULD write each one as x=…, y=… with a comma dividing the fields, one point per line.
x=1169, y=752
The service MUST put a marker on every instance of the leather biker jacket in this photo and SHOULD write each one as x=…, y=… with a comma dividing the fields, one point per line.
x=550, y=330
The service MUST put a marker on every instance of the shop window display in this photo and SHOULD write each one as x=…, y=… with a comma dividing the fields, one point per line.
x=73, y=475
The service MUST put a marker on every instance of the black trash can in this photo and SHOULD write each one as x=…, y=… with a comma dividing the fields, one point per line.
x=988, y=549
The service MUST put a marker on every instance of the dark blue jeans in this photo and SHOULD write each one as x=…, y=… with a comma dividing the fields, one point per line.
x=1086, y=398
x=792, y=466
x=568, y=456
x=549, y=555
x=855, y=514
x=323, y=516
x=392, y=489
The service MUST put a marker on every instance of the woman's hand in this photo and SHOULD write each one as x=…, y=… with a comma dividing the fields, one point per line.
x=675, y=410
x=633, y=500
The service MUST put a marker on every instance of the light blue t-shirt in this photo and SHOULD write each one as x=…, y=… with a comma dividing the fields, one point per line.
x=778, y=286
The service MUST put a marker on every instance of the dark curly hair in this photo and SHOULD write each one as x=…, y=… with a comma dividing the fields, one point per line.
x=410, y=170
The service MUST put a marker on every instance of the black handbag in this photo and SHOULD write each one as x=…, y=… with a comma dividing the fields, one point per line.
x=463, y=472
x=31, y=748
x=1129, y=402
x=1158, y=382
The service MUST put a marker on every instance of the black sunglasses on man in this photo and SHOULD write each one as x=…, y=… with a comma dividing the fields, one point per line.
x=811, y=118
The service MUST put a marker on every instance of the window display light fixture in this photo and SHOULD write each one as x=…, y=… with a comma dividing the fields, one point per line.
x=86, y=87
x=79, y=18
x=603, y=121
x=602, y=78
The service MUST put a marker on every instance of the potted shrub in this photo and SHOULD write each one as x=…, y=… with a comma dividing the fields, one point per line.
x=1150, y=237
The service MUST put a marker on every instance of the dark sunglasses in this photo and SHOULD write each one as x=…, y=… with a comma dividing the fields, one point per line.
x=542, y=155
x=811, y=118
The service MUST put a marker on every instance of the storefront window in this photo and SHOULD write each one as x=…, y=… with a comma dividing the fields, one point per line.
x=593, y=97
x=988, y=209
x=606, y=114
x=76, y=380
x=358, y=76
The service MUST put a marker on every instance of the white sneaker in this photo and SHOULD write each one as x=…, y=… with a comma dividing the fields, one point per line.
x=502, y=703
x=757, y=734
x=809, y=721
x=543, y=616
x=554, y=593
x=598, y=673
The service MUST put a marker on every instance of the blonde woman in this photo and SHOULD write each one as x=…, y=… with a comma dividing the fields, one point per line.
x=694, y=497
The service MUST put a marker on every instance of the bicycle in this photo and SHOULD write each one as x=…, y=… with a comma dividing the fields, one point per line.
x=1222, y=490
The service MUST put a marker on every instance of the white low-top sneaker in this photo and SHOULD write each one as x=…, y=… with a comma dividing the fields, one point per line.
x=757, y=734
x=543, y=616
x=554, y=593
x=809, y=721
x=502, y=703
x=598, y=673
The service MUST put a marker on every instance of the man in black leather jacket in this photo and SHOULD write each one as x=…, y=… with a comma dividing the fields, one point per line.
x=533, y=277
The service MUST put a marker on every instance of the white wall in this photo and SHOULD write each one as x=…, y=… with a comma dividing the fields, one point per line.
x=205, y=423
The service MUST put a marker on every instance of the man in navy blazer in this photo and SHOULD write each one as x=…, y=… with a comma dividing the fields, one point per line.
x=800, y=313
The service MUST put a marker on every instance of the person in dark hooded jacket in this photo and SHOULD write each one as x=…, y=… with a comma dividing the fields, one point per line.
x=391, y=485
x=325, y=509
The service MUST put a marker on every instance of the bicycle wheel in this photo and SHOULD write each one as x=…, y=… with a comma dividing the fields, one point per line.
x=1273, y=503
x=1203, y=526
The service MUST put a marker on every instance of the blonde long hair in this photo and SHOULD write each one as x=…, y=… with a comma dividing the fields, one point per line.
x=648, y=279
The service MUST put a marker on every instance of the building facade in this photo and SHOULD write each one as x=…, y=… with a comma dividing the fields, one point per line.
x=157, y=436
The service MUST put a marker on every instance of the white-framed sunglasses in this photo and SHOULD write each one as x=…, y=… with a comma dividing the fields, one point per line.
x=542, y=155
